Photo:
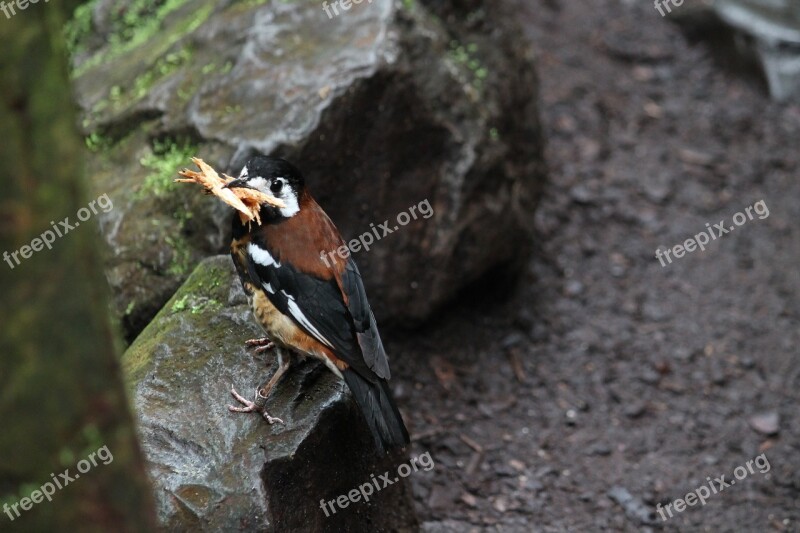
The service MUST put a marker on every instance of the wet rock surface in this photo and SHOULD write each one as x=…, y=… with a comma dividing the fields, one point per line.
x=215, y=470
x=383, y=107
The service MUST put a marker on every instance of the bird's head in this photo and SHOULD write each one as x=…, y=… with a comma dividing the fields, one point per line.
x=275, y=177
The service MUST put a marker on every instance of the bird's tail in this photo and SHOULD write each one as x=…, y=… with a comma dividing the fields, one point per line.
x=376, y=403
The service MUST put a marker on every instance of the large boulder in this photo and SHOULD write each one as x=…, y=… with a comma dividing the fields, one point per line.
x=773, y=31
x=748, y=33
x=385, y=107
x=220, y=471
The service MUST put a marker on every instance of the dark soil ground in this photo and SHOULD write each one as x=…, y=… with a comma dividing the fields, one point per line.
x=603, y=383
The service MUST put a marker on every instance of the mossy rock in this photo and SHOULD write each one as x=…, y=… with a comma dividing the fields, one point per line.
x=222, y=471
x=384, y=106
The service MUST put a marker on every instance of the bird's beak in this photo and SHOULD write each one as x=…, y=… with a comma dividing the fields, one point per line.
x=254, y=195
x=237, y=184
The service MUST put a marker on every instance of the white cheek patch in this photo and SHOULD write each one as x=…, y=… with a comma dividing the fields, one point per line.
x=287, y=194
x=261, y=256
x=290, y=200
x=243, y=173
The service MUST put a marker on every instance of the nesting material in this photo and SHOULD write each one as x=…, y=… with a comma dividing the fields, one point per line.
x=247, y=201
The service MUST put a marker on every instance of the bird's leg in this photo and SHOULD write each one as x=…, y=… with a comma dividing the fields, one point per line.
x=262, y=345
x=262, y=392
x=283, y=366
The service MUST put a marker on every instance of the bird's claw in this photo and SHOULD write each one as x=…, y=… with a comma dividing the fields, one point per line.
x=257, y=406
x=261, y=345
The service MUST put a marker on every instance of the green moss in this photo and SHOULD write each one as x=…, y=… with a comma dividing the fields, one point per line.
x=137, y=24
x=165, y=66
x=159, y=185
x=465, y=56
x=181, y=256
x=252, y=3
x=98, y=108
x=205, y=291
x=78, y=28
x=182, y=216
x=96, y=142
x=191, y=80
x=199, y=293
x=180, y=304
x=167, y=157
x=186, y=93
x=209, y=304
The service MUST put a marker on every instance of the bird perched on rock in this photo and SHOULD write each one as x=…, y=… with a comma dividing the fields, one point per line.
x=309, y=307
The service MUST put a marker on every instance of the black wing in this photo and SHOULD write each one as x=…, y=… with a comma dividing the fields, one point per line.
x=369, y=340
x=316, y=305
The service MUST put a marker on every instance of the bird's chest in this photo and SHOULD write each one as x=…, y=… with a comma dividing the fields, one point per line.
x=277, y=326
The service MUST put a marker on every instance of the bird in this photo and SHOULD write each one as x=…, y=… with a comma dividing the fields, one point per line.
x=310, y=303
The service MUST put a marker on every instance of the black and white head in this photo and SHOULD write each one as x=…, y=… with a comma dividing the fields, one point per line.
x=276, y=177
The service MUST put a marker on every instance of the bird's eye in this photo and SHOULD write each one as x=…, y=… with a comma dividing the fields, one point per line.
x=277, y=185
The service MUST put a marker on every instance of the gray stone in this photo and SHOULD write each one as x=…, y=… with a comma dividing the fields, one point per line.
x=774, y=30
x=767, y=423
x=764, y=32
x=221, y=471
x=382, y=107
